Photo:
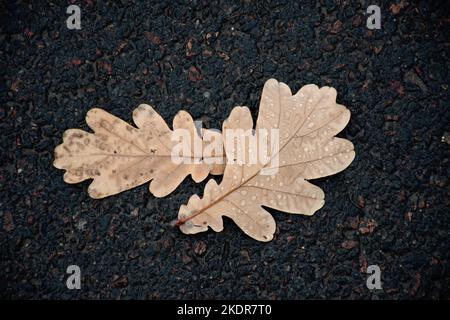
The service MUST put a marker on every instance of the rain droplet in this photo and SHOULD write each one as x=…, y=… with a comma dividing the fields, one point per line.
x=310, y=125
x=243, y=203
x=244, y=192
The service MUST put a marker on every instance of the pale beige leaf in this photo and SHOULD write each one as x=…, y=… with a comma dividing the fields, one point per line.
x=118, y=156
x=307, y=123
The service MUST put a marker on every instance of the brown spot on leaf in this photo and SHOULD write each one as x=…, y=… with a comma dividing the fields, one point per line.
x=77, y=171
x=105, y=124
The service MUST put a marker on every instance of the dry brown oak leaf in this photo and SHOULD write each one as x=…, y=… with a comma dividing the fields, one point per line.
x=307, y=123
x=118, y=156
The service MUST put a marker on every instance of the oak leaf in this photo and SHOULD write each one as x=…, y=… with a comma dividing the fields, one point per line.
x=307, y=123
x=118, y=156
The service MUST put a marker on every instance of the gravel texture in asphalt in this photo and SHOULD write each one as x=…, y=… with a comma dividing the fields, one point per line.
x=389, y=208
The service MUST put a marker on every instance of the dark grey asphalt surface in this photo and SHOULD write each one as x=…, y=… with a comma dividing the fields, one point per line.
x=390, y=207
